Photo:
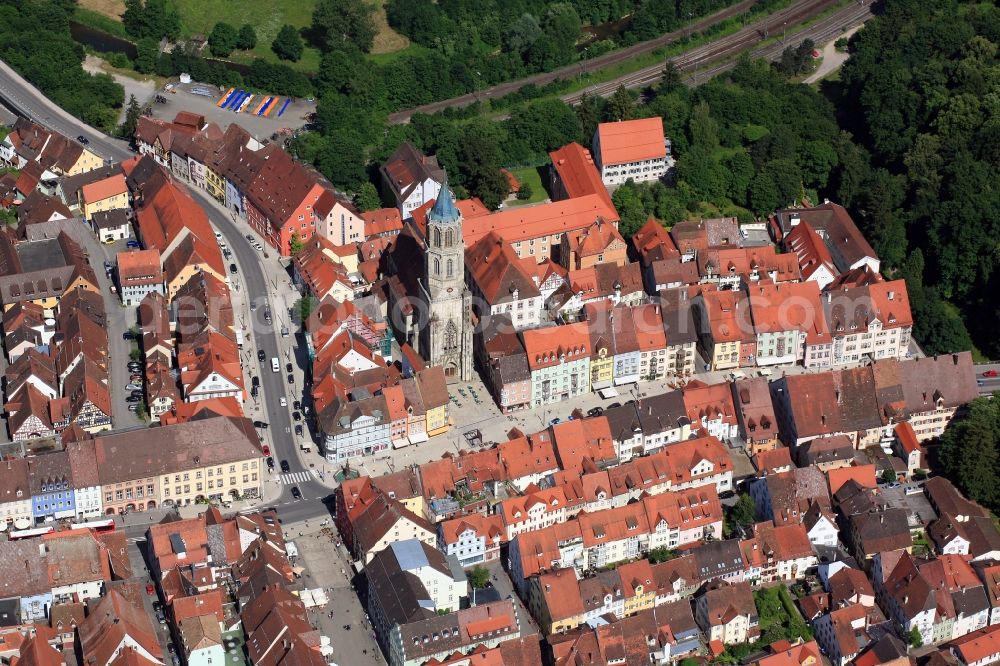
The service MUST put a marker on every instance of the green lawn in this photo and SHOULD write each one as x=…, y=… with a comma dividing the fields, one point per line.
x=199, y=16
x=530, y=176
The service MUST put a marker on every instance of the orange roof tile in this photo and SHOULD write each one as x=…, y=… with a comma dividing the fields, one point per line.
x=863, y=474
x=551, y=345
x=577, y=172
x=104, y=189
x=631, y=140
x=546, y=219
x=138, y=264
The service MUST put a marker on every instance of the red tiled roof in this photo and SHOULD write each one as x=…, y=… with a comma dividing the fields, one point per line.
x=577, y=172
x=631, y=140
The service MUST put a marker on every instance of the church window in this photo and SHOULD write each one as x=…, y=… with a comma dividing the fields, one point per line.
x=451, y=268
x=437, y=238
x=450, y=337
x=437, y=266
x=448, y=238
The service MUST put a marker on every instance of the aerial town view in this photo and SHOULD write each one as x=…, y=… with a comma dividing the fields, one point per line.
x=476, y=333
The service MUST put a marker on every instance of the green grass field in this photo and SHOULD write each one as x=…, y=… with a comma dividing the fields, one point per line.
x=531, y=177
x=199, y=16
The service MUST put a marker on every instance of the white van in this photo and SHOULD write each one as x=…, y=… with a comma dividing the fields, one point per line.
x=275, y=366
x=766, y=372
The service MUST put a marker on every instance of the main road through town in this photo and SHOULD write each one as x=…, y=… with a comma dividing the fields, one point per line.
x=26, y=100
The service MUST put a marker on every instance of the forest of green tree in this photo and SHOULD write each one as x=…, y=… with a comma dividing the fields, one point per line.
x=35, y=41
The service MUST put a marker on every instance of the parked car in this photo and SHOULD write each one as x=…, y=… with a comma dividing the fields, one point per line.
x=296, y=405
x=133, y=398
x=284, y=466
x=298, y=431
x=990, y=373
x=261, y=355
x=260, y=424
x=614, y=405
x=267, y=449
x=296, y=416
x=282, y=401
x=134, y=387
x=137, y=393
x=255, y=381
x=133, y=407
x=232, y=269
x=288, y=367
x=107, y=267
x=555, y=421
x=82, y=139
x=133, y=244
x=596, y=411
x=134, y=366
x=270, y=462
x=150, y=589
x=291, y=379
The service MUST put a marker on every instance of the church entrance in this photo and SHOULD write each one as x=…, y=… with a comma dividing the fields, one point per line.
x=450, y=371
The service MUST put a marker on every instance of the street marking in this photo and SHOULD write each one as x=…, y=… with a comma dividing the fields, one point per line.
x=297, y=477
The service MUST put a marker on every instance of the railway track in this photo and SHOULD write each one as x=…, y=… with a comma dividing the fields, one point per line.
x=695, y=60
x=593, y=65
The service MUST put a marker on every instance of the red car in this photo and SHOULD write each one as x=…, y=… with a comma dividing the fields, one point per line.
x=267, y=450
x=150, y=589
x=990, y=373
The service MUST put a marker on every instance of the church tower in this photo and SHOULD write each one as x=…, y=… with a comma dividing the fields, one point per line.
x=446, y=338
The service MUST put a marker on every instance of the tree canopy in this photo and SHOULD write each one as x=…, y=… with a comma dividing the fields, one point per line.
x=288, y=45
x=920, y=91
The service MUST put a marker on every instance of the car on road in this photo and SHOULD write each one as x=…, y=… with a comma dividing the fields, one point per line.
x=296, y=493
x=82, y=139
x=260, y=424
x=150, y=590
x=298, y=431
x=255, y=381
x=107, y=267
x=282, y=401
x=296, y=416
x=249, y=237
x=258, y=247
x=270, y=462
x=253, y=307
x=133, y=244
x=135, y=378
x=232, y=269
x=347, y=627
x=134, y=387
x=133, y=407
x=990, y=373
x=261, y=355
x=288, y=367
x=218, y=236
x=133, y=398
x=266, y=449
x=137, y=393
x=160, y=616
x=595, y=411
x=284, y=466
x=296, y=405
x=614, y=405
x=291, y=379
x=128, y=335
x=555, y=421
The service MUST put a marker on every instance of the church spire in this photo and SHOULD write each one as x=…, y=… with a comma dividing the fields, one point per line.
x=444, y=207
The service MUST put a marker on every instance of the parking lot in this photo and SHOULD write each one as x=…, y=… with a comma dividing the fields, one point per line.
x=180, y=98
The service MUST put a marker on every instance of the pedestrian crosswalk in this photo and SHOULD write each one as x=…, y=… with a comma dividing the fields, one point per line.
x=297, y=477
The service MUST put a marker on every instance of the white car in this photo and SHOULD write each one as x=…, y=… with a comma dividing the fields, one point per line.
x=282, y=401
x=218, y=236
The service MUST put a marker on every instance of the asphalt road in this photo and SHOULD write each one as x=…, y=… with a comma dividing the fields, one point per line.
x=24, y=99
x=987, y=385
